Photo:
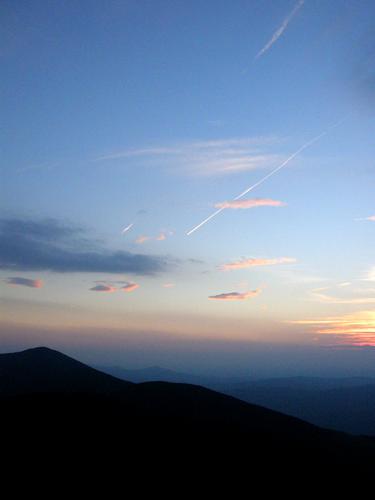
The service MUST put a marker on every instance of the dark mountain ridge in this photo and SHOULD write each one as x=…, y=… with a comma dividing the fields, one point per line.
x=44, y=370
x=344, y=404
x=46, y=394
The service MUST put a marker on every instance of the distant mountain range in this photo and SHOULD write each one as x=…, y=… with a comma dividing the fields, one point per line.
x=345, y=404
x=55, y=402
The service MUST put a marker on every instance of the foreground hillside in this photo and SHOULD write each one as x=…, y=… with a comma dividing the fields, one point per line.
x=47, y=397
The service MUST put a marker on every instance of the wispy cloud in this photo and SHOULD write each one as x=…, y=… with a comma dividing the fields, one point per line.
x=370, y=274
x=255, y=262
x=370, y=218
x=321, y=295
x=211, y=157
x=256, y=202
x=49, y=245
x=142, y=239
x=24, y=282
x=160, y=237
x=113, y=286
x=235, y=295
x=129, y=287
x=280, y=30
x=356, y=329
x=103, y=288
x=168, y=285
x=282, y=165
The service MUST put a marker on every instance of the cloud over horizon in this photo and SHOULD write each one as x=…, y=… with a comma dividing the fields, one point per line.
x=356, y=329
x=49, y=245
x=235, y=295
x=254, y=262
x=24, y=282
x=253, y=203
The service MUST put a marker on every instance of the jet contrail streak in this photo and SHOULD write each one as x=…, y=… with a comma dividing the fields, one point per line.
x=280, y=30
x=282, y=165
x=127, y=228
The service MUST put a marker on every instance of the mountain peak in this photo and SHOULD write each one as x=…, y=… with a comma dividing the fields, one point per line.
x=41, y=369
x=40, y=350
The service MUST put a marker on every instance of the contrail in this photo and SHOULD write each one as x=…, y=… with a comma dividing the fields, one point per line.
x=282, y=165
x=127, y=228
x=280, y=30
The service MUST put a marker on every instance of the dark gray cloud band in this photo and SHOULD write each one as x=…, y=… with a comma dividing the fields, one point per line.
x=49, y=245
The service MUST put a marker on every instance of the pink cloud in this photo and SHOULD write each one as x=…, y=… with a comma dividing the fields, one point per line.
x=25, y=282
x=103, y=288
x=253, y=262
x=168, y=285
x=356, y=329
x=142, y=239
x=162, y=236
x=256, y=202
x=129, y=287
x=372, y=218
x=235, y=295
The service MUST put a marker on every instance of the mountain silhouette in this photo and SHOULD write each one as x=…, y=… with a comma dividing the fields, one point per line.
x=44, y=370
x=49, y=397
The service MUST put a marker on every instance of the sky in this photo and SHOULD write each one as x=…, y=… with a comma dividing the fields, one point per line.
x=190, y=183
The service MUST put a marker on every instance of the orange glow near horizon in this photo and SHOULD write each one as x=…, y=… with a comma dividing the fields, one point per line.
x=357, y=329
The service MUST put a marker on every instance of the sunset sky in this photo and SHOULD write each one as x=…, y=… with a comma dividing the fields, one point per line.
x=126, y=124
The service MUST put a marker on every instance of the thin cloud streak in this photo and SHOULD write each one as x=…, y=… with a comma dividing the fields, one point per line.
x=253, y=262
x=273, y=172
x=325, y=298
x=160, y=237
x=18, y=281
x=129, y=287
x=256, y=202
x=235, y=295
x=103, y=288
x=357, y=329
x=370, y=218
x=211, y=157
x=142, y=239
x=280, y=30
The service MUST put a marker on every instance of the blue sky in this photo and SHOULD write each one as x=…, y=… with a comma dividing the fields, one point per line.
x=150, y=113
